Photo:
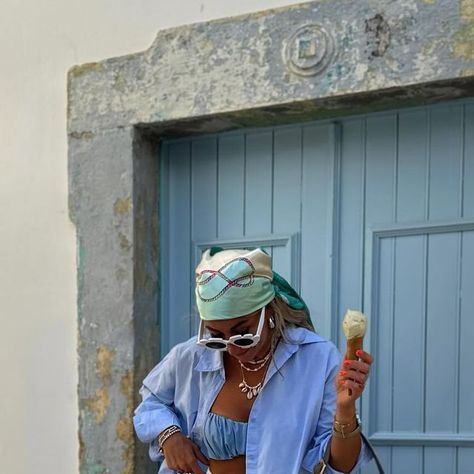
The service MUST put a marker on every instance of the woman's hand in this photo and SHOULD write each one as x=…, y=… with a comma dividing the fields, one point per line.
x=182, y=454
x=351, y=379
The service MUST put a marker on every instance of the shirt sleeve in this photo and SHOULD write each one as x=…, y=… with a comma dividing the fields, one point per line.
x=157, y=412
x=321, y=441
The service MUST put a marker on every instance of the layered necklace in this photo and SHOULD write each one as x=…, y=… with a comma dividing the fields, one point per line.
x=253, y=390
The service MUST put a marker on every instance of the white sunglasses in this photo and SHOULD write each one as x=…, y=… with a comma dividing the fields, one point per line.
x=243, y=340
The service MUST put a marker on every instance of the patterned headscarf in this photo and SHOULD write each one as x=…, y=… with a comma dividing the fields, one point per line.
x=233, y=283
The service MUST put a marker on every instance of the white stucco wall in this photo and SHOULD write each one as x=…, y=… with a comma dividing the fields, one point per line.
x=39, y=42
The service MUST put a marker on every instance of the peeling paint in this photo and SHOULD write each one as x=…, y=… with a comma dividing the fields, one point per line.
x=86, y=68
x=93, y=469
x=125, y=244
x=82, y=450
x=99, y=405
x=467, y=10
x=124, y=427
x=378, y=35
x=121, y=274
x=86, y=135
x=104, y=360
x=123, y=207
x=464, y=45
x=360, y=71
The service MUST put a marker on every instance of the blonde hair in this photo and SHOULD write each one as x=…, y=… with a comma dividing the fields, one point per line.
x=284, y=316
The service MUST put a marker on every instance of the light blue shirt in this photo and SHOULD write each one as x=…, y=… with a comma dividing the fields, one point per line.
x=290, y=423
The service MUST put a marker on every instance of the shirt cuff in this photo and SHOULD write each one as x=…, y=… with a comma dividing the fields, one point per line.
x=365, y=456
x=154, y=452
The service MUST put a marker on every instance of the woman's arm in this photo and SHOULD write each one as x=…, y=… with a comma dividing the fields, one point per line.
x=346, y=440
x=156, y=412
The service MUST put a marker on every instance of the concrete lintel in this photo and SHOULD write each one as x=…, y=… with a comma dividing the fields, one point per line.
x=251, y=62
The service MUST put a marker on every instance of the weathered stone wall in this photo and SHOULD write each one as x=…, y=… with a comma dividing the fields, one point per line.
x=302, y=62
x=114, y=206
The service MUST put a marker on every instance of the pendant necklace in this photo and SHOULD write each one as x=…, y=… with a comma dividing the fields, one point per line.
x=253, y=390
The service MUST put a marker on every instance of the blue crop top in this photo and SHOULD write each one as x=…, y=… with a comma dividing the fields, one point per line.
x=224, y=438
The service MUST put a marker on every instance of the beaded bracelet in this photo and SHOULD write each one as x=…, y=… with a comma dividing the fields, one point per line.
x=167, y=433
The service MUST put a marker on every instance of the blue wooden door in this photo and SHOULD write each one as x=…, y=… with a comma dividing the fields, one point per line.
x=373, y=212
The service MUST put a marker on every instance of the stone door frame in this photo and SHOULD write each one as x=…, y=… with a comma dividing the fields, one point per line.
x=302, y=62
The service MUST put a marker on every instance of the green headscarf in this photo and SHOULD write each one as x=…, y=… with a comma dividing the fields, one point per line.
x=233, y=283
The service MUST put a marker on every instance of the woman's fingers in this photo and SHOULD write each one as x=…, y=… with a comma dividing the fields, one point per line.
x=358, y=377
x=199, y=455
x=365, y=356
x=181, y=455
x=194, y=468
x=355, y=388
x=351, y=379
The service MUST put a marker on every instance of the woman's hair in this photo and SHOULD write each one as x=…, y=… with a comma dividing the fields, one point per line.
x=285, y=316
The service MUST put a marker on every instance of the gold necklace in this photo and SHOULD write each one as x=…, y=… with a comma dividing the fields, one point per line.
x=261, y=363
x=250, y=390
x=253, y=390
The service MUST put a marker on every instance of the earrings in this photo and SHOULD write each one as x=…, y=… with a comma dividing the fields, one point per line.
x=271, y=323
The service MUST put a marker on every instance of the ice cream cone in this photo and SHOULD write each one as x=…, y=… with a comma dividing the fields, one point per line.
x=354, y=326
x=353, y=345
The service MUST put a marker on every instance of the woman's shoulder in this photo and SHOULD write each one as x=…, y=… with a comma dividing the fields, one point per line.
x=311, y=343
x=187, y=350
x=303, y=336
x=183, y=354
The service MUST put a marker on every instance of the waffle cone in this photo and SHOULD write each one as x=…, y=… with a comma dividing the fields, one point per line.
x=353, y=345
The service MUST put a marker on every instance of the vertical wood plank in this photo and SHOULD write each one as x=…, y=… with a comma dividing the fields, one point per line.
x=204, y=189
x=412, y=186
x=381, y=165
x=408, y=353
x=316, y=226
x=441, y=350
x=258, y=183
x=350, y=224
x=465, y=460
x=380, y=202
x=382, y=405
x=179, y=270
x=466, y=359
x=445, y=162
x=440, y=460
x=230, y=199
x=406, y=459
x=286, y=192
x=468, y=189
x=384, y=454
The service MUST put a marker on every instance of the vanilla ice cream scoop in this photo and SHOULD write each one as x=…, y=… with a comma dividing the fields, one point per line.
x=354, y=326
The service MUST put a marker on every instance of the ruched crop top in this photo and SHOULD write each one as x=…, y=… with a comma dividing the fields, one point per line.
x=224, y=438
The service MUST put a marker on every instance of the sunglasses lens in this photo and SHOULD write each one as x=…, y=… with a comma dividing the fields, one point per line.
x=215, y=345
x=243, y=342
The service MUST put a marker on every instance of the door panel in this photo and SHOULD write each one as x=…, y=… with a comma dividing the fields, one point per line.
x=373, y=212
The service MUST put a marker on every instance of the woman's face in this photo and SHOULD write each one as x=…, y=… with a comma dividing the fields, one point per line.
x=242, y=325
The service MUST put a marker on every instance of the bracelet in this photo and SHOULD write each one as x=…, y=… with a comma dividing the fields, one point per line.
x=167, y=433
x=339, y=429
x=339, y=434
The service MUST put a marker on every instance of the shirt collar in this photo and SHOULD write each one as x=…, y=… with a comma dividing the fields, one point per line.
x=210, y=360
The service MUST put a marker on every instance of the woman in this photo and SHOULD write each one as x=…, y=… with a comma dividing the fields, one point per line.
x=259, y=391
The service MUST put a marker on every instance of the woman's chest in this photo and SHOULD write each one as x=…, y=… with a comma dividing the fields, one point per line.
x=231, y=402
